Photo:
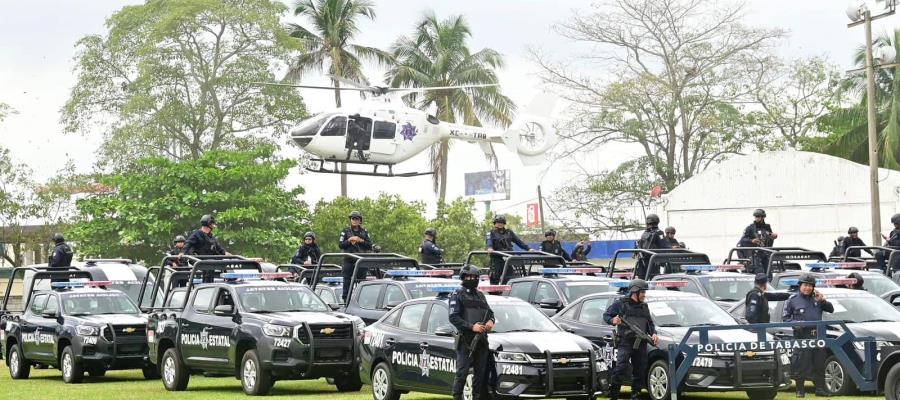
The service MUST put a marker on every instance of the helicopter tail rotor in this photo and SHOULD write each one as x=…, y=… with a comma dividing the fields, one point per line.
x=532, y=134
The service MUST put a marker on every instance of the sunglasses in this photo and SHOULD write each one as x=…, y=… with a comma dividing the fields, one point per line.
x=356, y=219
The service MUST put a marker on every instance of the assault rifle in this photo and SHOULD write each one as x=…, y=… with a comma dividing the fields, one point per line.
x=638, y=333
x=478, y=336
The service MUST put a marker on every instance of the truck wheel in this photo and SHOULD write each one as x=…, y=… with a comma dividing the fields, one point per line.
x=350, y=383
x=383, y=384
x=255, y=380
x=837, y=382
x=658, y=380
x=72, y=371
x=892, y=382
x=761, y=394
x=175, y=375
x=19, y=367
x=150, y=371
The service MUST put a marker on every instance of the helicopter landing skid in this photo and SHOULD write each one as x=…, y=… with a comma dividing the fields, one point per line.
x=334, y=168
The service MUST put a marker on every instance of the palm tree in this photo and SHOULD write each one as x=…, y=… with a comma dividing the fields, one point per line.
x=437, y=55
x=851, y=123
x=334, y=25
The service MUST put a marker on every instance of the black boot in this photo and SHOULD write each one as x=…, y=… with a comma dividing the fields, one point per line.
x=614, y=392
x=801, y=390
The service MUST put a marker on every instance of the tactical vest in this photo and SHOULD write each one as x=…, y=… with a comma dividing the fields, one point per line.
x=429, y=258
x=502, y=240
x=646, y=241
x=637, y=314
x=474, y=308
x=762, y=308
x=66, y=259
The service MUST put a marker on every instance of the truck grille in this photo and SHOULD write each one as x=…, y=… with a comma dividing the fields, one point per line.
x=130, y=330
x=331, y=331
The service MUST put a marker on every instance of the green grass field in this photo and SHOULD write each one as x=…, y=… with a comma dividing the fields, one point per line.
x=47, y=384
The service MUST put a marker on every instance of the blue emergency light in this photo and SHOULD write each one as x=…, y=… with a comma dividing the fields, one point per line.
x=833, y=265
x=620, y=284
x=232, y=276
x=791, y=282
x=698, y=268
x=333, y=279
x=67, y=285
x=418, y=272
x=442, y=289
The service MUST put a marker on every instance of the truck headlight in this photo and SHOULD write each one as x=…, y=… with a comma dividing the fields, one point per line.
x=277, y=330
x=87, y=330
x=507, y=357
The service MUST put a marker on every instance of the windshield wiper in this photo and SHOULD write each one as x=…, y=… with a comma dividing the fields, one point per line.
x=707, y=324
x=523, y=330
x=878, y=320
x=727, y=300
x=670, y=326
x=79, y=314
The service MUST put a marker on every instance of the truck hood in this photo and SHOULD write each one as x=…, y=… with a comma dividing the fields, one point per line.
x=113, y=319
x=675, y=334
x=887, y=331
x=296, y=318
x=538, y=342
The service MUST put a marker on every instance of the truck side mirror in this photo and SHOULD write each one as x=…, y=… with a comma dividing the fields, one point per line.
x=224, y=310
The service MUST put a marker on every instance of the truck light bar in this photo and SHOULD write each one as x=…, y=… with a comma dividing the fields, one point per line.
x=562, y=271
x=256, y=275
x=443, y=288
x=698, y=268
x=493, y=288
x=829, y=282
x=77, y=284
x=418, y=272
x=333, y=279
x=836, y=265
x=622, y=275
x=730, y=267
x=652, y=284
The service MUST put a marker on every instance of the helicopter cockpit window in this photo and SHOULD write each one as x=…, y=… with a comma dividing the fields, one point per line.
x=310, y=127
x=336, y=127
x=384, y=130
x=434, y=120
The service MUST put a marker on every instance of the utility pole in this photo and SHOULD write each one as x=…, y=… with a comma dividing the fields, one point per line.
x=541, y=209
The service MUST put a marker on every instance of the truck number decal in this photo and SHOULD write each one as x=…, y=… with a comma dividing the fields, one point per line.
x=90, y=340
x=511, y=369
x=283, y=343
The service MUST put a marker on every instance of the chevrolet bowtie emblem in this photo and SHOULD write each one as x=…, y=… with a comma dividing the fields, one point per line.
x=129, y=330
x=327, y=331
x=749, y=354
x=563, y=360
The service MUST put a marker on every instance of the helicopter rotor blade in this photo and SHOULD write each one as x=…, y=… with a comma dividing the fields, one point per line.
x=425, y=89
x=354, y=89
x=348, y=82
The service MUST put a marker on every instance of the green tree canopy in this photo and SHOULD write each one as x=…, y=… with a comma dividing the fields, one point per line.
x=156, y=199
x=179, y=77
x=459, y=232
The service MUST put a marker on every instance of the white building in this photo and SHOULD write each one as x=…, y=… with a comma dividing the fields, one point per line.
x=810, y=199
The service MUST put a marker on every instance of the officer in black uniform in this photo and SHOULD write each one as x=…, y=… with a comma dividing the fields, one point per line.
x=430, y=253
x=860, y=281
x=652, y=238
x=757, y=234
x=356, y=136
x=202, y=242
x=670, y=239
x=308, y=253
x=581, y=250
x=891, y=241
x=553, y=246
x=501, y=239
x=61, y=256
x=354, y=240
x=807, y=305
x=630, y=347
x=756, y=302
x=838, y=249
x=472, y=316
x=179, y=243
x=852, y=239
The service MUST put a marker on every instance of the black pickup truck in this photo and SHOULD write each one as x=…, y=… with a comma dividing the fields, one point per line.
x=254, y=326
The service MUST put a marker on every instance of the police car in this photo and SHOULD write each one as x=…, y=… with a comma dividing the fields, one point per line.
x=257, y=329
x=719, y=283
x=761, y=374
x=874, y=282
x=371, y=299
x=412, y=348
x=78, y=327
x=555, y=288
x=863, y=314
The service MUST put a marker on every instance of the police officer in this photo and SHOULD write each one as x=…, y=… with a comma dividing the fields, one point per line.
x=202, y=242
x=852, y=239
x=356, y=136
x=757, y=234
x=472, y=316
x=838, y=249
x=501, y=239
x=62, y=252
x=756, y=302
x=670, y=239
x=354, y=239
x=891, y=241
x=807, y=305
x=858, y=285
x=179, y=243
x=630, y=346
x=581, y=250
x=652, y=238
x=308, y=253
x=430, y=253
x=553, y=246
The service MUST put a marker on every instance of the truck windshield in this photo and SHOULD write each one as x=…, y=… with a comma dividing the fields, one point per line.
x=860, y=308
x=284, y=298
x=729, y=289
x=693, y=311
x=98, y=303
x=521, y=317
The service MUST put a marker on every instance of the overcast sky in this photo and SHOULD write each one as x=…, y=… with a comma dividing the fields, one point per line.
x=37, y=41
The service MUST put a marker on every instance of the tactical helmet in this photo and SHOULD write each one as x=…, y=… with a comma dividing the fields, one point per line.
x=670, y=229
x=652, y=219
x=356, y=214
x=58, y=238
x=759, y=212
x=499, y=218
x=807, y=278
x=637, y=285
x=207, y=220
x=895, y=219
x=376, y=248
x=179, y=238
x=309, y=235
x=840, y=239
x=431, y=232
x=761, y=278
x=468, y=270
x=853, y=229
x=550, y=233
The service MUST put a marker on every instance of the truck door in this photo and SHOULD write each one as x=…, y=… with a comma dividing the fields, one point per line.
x=221, y=328
x=29, y=327
x=194, y=331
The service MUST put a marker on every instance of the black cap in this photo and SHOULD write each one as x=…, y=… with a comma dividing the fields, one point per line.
x=761, y=278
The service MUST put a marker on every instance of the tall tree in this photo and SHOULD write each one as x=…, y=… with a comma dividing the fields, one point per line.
x=849, y=124
x=437, y=54
x=178, y=78
x=328, y=42
x=671, y=90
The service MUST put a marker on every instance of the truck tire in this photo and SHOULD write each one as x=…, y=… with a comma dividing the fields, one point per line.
x=892, y=382
x=19, y=367
x=150, y=371
x=256, y=380
x=762, y=394
x=175, y=375
x=350, y=383
x=383, y=383
x=72, y=370
x=658, y=380
x=837, y=381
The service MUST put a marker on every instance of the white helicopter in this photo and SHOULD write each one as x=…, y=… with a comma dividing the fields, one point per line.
x=392, y=132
